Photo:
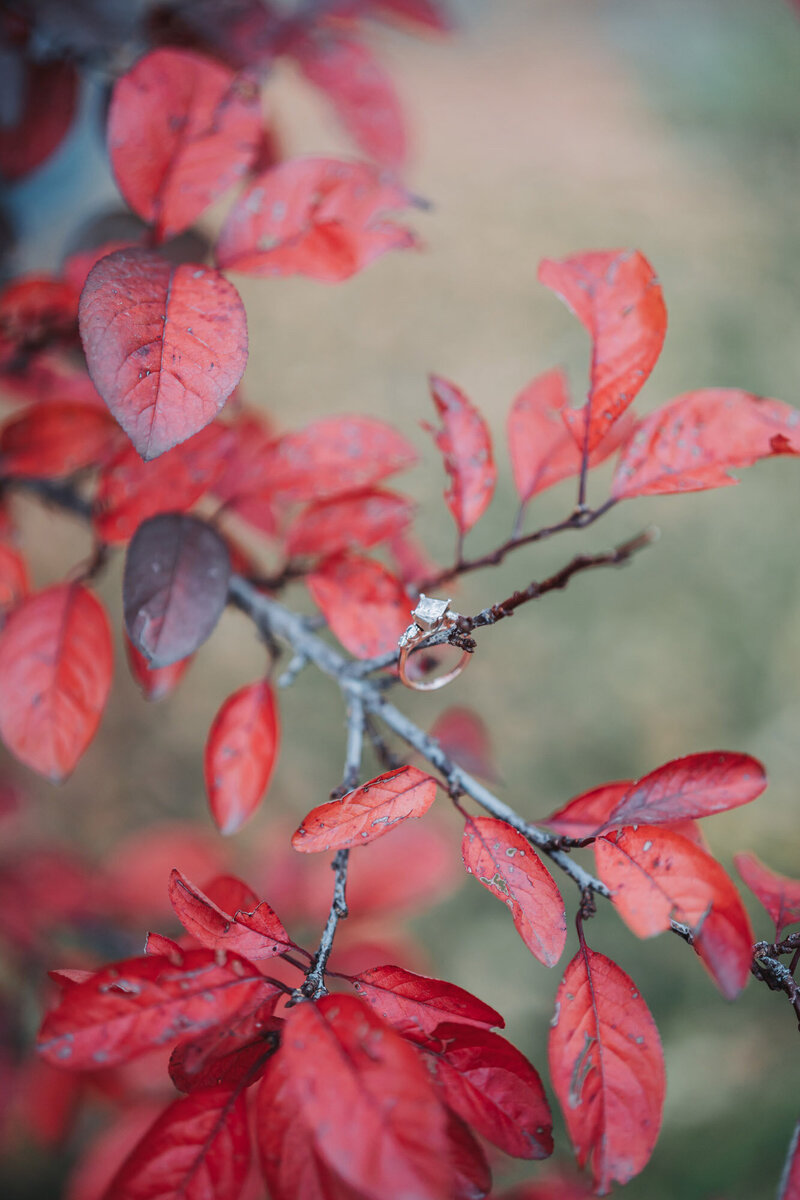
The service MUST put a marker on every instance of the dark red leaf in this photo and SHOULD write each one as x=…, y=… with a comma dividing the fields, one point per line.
x=466, y=446
x=133, y=1006
x=352, y=522
x=199, y=1147
x=361, y=94
x=36, y=309
x=542, y=449
x=154, y=682
x=320, y=217
x=131, y=490
x=262, y=937
x=55, y=675
x=779, y=894
x=181, y=130
x=53, y=440
x=165, y=345
x=51, y=378
x=240, y=755
x=493, y=1088
x=175, y=586
x=367, y=1100
x=473, y=1178
x=334, y=456
x=694, y=442
x=230, y=1055
x=607, y=1068
x=417, y=1004
x=656, y=876
x=789, y=1187
x=367, y=813
x=43, y=112
x=463, y=736
x=365, y=605
x=507, y=866
x=697, y=785
x=616, y=295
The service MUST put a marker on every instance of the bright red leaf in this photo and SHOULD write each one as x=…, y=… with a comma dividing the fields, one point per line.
x=607, y=1068
x=365, y=606
x=367, y=813
x=361, y=94
x=230, y=893
x=155, y=682
x=198, y=1148
x=694, y=442
x=366, y=1099
x=175, y=586
x=463, y=736
x=417, y=1004
x=240, y=755
x=492, y=1087
x=165, y=345
x=587, y=813
x=507, y=866
x=136, y=1005
x=779, y=894
x=617, y=296
x=353, y=522
x=697, y=785
x=466, y=447
x=334, y=456
x=14, y=580
x=181, y=130
x=542, y=449
x=656, y=876
x=320, y=217
x=55, y=675
x=54, y=440
x=131, y=490
x=263, y=935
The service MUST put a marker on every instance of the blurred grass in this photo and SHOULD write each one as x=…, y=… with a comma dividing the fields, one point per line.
x=543, y=129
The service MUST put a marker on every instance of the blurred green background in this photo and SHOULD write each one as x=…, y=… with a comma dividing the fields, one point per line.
x=541, y=129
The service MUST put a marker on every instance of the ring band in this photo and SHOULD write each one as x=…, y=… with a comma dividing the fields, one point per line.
x=430, y=616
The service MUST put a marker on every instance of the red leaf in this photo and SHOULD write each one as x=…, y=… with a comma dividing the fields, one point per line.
x=240, y=755
x=466, y=446
x=365, y=606
x=587, y=813
x=165, y=345
x=14, y=581
x=320, y=217
x=55, y=676
x=507, y=866
x=230, y=894
x=262, y=937
x=155, y=682
x=97, y=1165
x=607, y=1068
x=181, y=130
x=361, y=94
x=493, y=1088
x=175, y=586
x=616, y=295
x=473, y=1178
x=53, y=440
x=351, y=522
x=42, y=114
x=75, y=269
x=50, y=378
x=417, y=1004
x=133, y=1006
x=463, y=736
x=230, y=1055
x=334, y=456
x=199, y=1147
x=697, y=785
x=789, y=1187
x=366, y=1099
x=130, y=490
x=779, y=894
x=656, y=876
x=367, y=813
x=36, y=309
x=694, y=442
x=542, y=450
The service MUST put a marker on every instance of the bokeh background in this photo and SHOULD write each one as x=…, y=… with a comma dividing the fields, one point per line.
x=539, y=129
